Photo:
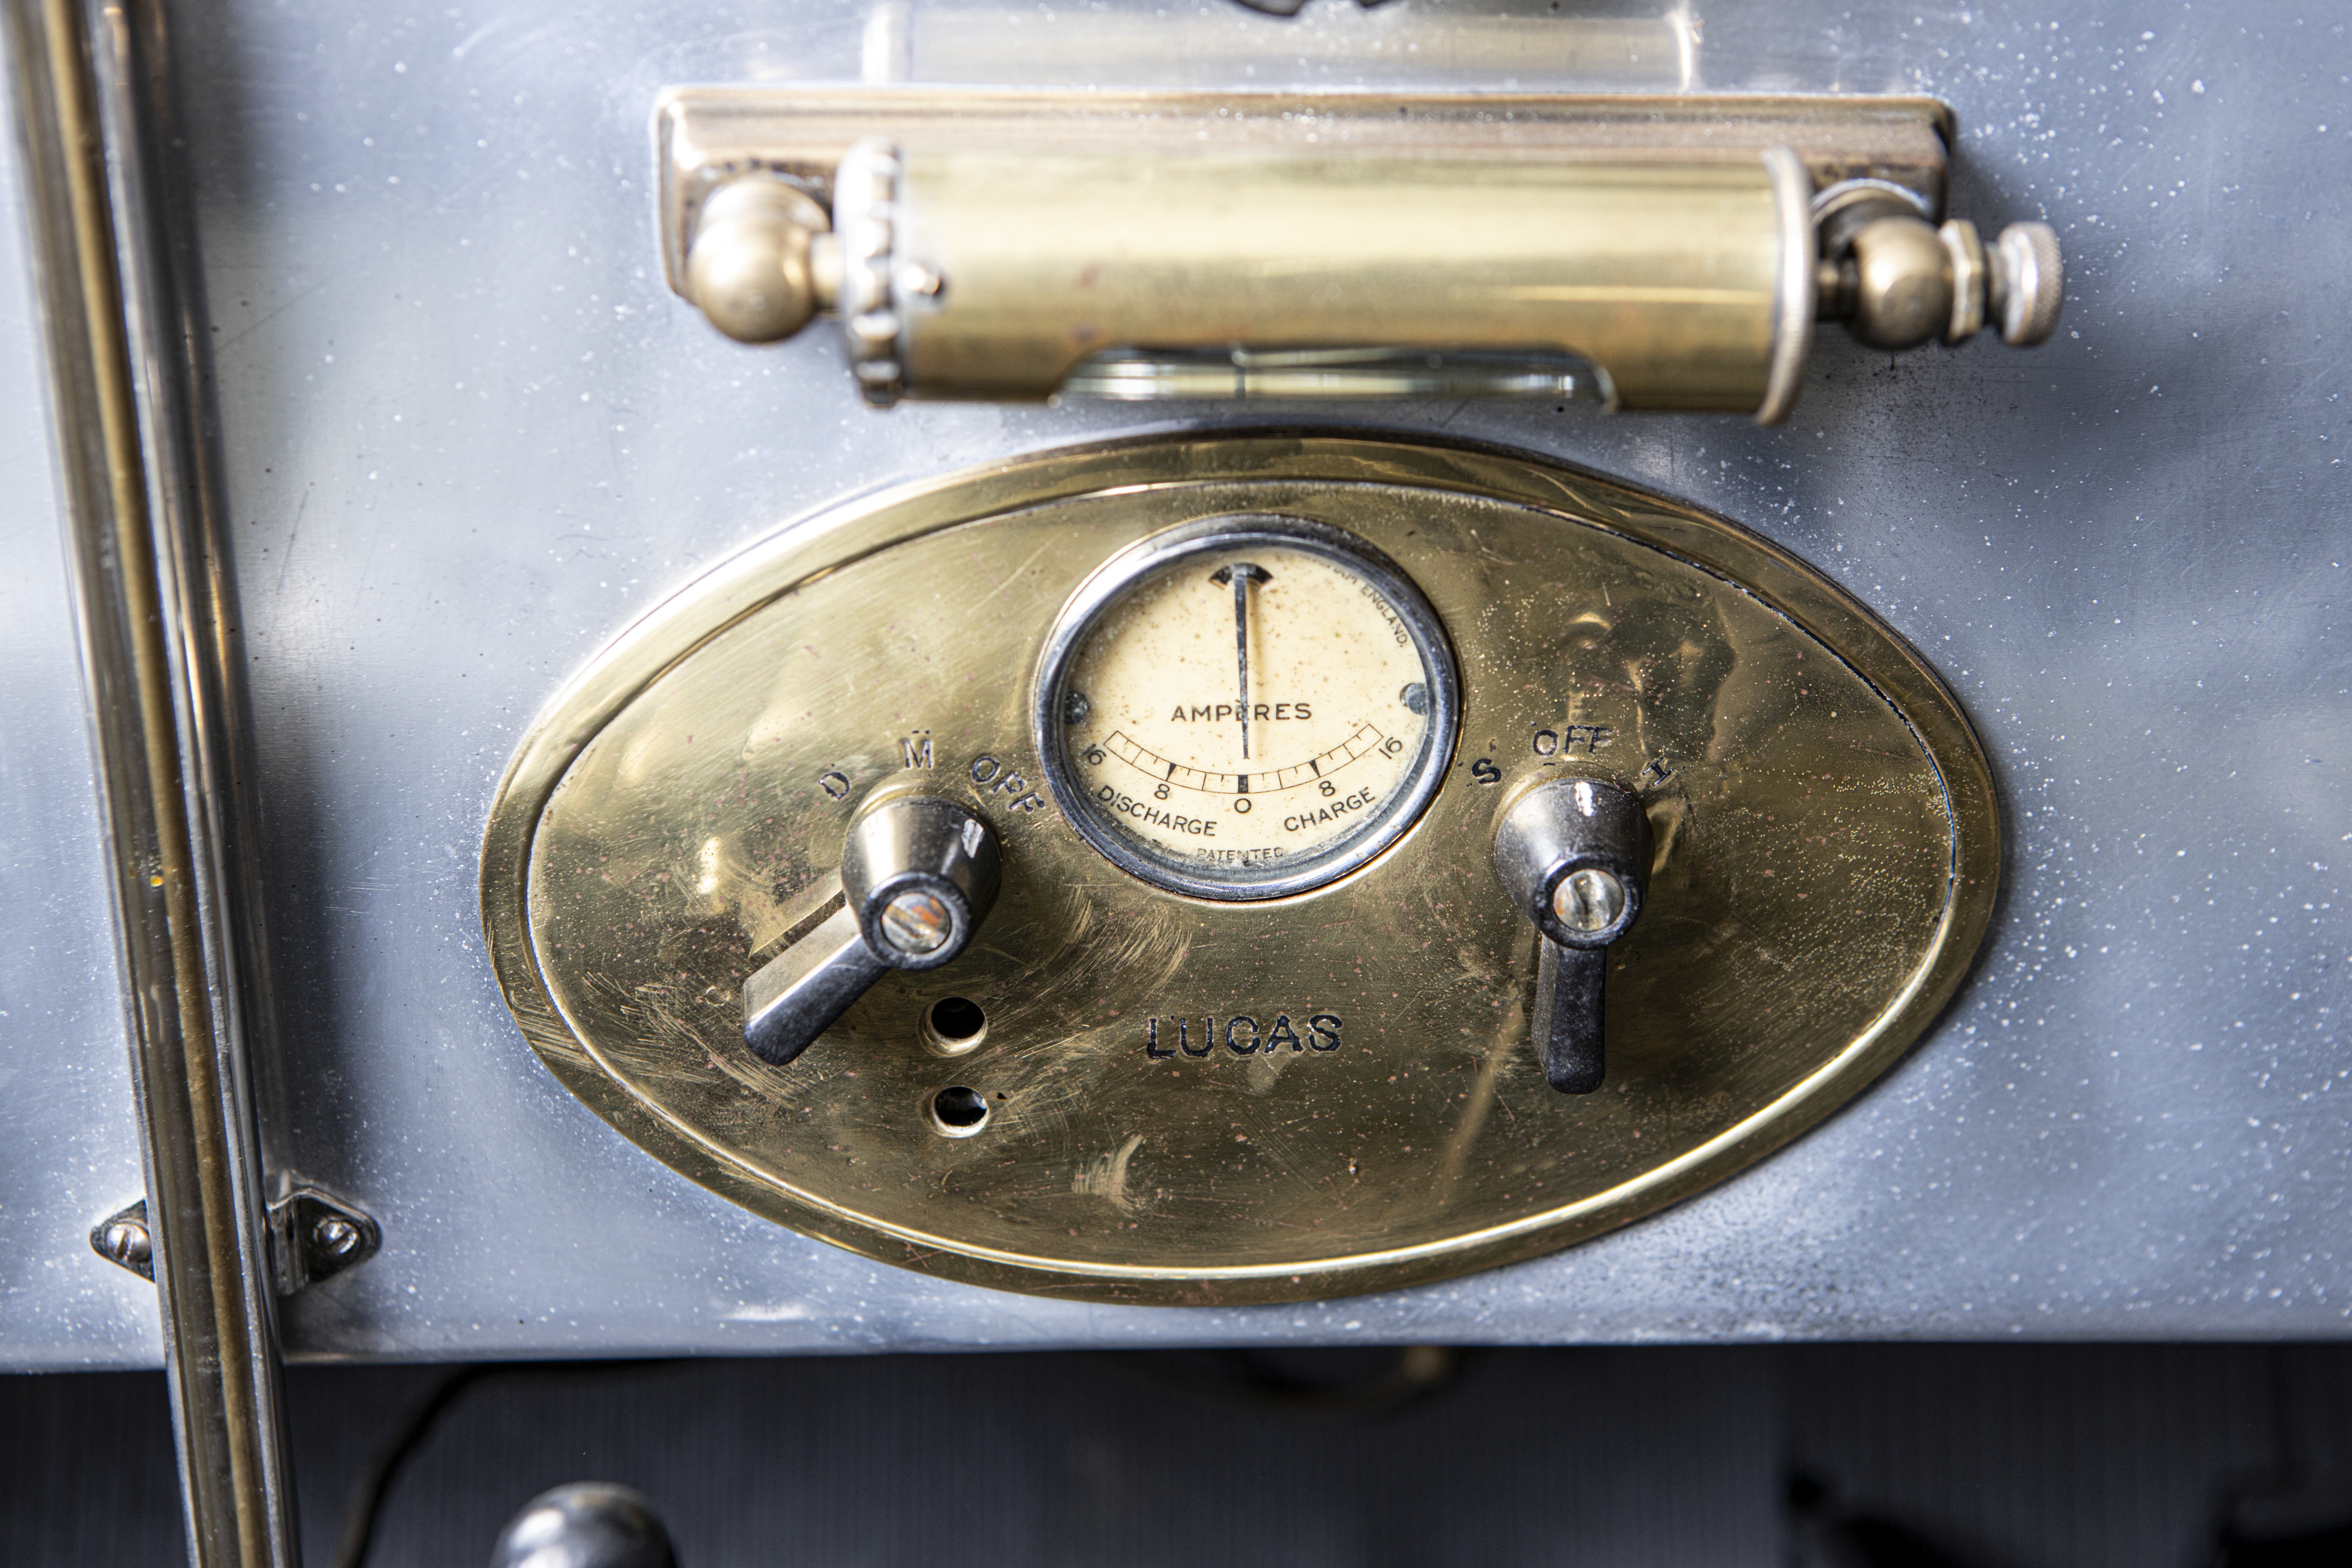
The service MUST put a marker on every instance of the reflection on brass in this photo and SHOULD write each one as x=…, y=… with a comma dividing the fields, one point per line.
x=708, y=135
x=1664, y=276
x=1137, y=375
x=1187, y=1101
x=1646, y=252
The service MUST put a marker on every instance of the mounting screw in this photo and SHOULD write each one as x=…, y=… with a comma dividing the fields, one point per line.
x=315, y=1236
x=1588, y=900
x=922, y=281
x=126, y=1241
x=335, y=1237
x=918, y=922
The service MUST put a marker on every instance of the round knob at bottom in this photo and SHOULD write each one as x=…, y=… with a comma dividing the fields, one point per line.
x=584, y=1524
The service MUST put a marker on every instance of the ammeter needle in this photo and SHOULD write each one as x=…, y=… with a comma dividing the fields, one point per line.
x=1241, y=574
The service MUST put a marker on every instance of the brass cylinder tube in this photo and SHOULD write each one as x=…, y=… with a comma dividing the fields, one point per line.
x=1672, y=278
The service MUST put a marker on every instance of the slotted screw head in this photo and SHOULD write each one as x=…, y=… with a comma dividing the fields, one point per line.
x=1588, y=900
x=335, y=1235
x=916, y=923
x=126, y=1242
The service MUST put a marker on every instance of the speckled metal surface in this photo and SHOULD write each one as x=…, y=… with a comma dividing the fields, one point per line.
x=469, y=437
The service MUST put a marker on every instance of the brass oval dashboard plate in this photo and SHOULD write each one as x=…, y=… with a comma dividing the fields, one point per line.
x=1199, y=1102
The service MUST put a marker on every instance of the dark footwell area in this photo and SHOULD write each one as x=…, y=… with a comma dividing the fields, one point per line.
x=1790, y=1456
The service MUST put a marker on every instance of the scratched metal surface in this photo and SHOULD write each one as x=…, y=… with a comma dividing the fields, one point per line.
x=469, y=437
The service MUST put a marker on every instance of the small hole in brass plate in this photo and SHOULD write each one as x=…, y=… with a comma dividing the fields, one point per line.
x=953, y=1025
x=958, y=1112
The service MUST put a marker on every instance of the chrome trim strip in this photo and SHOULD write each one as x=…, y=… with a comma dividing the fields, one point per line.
x=149, y=598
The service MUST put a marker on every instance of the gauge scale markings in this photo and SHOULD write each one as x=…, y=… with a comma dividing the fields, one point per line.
x=1127, y=749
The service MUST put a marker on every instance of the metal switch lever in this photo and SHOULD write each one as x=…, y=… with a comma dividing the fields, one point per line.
x=918, y=876
x=1574, y=854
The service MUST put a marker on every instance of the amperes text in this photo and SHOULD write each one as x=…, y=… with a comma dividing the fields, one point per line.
x=1263, y=712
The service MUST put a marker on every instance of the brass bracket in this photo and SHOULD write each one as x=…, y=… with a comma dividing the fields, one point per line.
x=706, y=136
x=1637, y=252
x=314, y=1236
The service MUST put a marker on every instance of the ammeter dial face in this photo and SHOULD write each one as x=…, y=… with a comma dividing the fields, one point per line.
x=1247, y=707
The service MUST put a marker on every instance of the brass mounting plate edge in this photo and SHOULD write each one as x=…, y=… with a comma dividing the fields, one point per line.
x=669, y=1075
x=707, y=135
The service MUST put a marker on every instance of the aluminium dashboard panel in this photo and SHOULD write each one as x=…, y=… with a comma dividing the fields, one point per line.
x=468, y=436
